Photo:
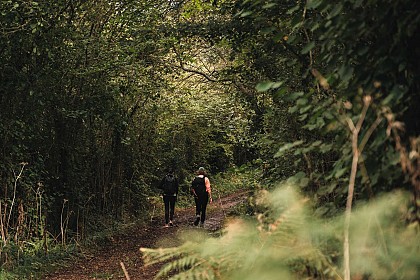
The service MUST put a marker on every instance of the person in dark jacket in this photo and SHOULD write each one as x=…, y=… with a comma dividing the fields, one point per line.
x=201, y=189
x=169, y=186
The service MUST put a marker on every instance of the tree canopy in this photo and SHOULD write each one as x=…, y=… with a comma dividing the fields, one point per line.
x=99, y=98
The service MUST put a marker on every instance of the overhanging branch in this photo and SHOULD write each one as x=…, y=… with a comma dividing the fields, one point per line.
x=197, y=72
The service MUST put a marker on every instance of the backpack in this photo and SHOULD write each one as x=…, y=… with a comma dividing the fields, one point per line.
x=169, y=185
x=199, y=186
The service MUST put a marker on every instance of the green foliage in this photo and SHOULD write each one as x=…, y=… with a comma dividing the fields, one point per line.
x=34, y=261
x=67, y=104
x=323, y=59
x=286, y=239
x=8, y=275
x=213, y=126
x=94, y=102
x=246, y=177
x=98, y=98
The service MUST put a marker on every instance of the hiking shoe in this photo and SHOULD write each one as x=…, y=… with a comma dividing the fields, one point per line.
x=197, y=220
x=171, y=224
x=202, y=224
x=166, y=225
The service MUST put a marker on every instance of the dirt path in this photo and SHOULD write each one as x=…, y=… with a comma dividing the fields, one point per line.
x=106, y=264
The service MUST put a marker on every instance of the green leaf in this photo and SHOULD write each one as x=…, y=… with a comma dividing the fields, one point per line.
x=278, y=37
x=313, y=4
x=328, y=115
x=302, y=101
x=245, y=14
x=264, y=86
x=402, y=66
x=327, y=189
x=320, y=122
x=316, y=143
x=315, y=26
x=287, y=147
x=308, y=47
x=310, y=126
x=395, y=95
x=387, y=100
x=305, y=109
x=292, y=180
x=320, y=211
x=336, y=10
x=292, y=10
x=293, y=109
x=304, y=182
x=303, y=117
x=300, y=175
x=277, y=85
x=296, y=21
x=295, y=95
x=282, y=91
x=268, y=30
x=346, y=72
x=393, y=157
x=269, y=5
x=340, y=172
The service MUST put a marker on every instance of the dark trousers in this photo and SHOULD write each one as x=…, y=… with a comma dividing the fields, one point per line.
x=169, y=202
x=201, y=205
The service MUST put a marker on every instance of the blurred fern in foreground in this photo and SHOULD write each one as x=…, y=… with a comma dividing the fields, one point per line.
x=285, y=241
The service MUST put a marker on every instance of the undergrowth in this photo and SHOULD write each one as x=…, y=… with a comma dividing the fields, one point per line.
x=286, y=240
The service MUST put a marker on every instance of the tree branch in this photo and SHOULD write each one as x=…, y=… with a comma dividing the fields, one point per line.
x=197, y=72
x=355, y=136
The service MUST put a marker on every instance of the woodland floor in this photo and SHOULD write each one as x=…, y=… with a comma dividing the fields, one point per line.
x=124, y=247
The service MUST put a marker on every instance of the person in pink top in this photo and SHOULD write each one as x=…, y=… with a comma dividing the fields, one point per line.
x=201, y=189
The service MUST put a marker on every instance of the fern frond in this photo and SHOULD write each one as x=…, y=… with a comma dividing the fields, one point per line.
x=200, y=273
x=287, y=243
x=185, y=263
x=153, y=256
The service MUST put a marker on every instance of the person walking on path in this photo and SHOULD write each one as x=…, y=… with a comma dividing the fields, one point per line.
x=201, y=189
x=169, y=186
